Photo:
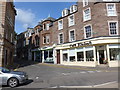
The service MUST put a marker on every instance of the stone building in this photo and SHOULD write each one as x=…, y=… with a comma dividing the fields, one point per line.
x=87, y=34
x=7, y=22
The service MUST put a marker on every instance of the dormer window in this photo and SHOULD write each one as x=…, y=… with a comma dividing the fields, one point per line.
x=46, y=26
x=73, y=8
x=65, y=12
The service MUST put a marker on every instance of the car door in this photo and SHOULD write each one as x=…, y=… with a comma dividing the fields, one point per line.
x=1, y=75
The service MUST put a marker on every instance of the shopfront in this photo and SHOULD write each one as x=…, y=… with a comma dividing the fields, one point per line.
x=36, y=55
x=92, y=52
x=47, y=55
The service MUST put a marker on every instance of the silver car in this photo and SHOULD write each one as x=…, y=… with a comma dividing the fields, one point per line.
x=12, y=78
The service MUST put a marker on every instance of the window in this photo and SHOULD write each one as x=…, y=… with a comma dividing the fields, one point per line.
x=114, y=54
x=65, y=12
x=37, y=41
x=72, y=58
x=85, y=3
x=73, y=8
x=71, y=20
x=60, y=24
x=44, y=39
x=72, y=35
x=86, y=14
x=80, y=56
x=89, y=55
x=111, y=9
x=72, y=55
x=60, y=38
x=47, y=26
x=47, y=39
x=88, y=32
x=65, y=57
x=113, y=28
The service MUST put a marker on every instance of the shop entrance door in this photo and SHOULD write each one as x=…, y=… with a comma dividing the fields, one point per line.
x=58, y=56
x=101, y=56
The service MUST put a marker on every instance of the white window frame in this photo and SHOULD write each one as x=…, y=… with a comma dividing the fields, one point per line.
x=69, y=21
x=43, y=40
x=84, y=3
x=73, y=8
x=70, y=36
x=116, y=27
x=114, y=9
x=85, y=31
x=47, y=26
x=84, y=19
x=65, y=11
x=47, y=37
x=60, y=26
x=59, y=38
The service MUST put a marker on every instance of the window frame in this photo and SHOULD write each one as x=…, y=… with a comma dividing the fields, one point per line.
x=84, y=14
x=59, y=24
x=59, y=38
x=84, y=3
x=69, y=24
x=70, y=35
x=116, y=28
x=114, y=9
x=85, y=31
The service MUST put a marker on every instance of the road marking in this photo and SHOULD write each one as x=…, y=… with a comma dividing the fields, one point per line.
x=75, y=86
x=91, y=71
x=89, y=86
x=105, y=84
x=83, y=72
x=65, y=73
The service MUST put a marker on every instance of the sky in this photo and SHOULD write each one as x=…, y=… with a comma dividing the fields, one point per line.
x=30, y=13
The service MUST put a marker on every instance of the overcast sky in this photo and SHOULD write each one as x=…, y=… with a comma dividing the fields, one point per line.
x=30, y=13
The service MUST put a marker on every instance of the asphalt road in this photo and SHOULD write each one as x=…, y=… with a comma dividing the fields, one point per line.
x=55, y=76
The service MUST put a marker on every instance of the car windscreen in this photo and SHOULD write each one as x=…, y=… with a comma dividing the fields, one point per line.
x=4, y=70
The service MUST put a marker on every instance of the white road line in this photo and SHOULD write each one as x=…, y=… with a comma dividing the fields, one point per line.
x=65, y=73
x=75, y=86
x=98, y=71
x=89, y=86
x=105, y=84
x=91, y=71
x=83, y=72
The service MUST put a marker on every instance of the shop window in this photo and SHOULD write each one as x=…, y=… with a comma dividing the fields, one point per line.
x=72, y=58
x=65, y=57
x=50, y=53
x=80, y=56
x=89, y=55
x=114, y=54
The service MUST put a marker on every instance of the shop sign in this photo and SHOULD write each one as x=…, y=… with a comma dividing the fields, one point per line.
x=81, y=44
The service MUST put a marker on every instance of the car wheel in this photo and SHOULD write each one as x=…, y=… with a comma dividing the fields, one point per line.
x=13, y=82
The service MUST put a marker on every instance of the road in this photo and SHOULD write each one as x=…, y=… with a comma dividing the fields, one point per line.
x=55, y=76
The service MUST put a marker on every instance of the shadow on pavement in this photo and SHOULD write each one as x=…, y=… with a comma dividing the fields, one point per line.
x=23, y=63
